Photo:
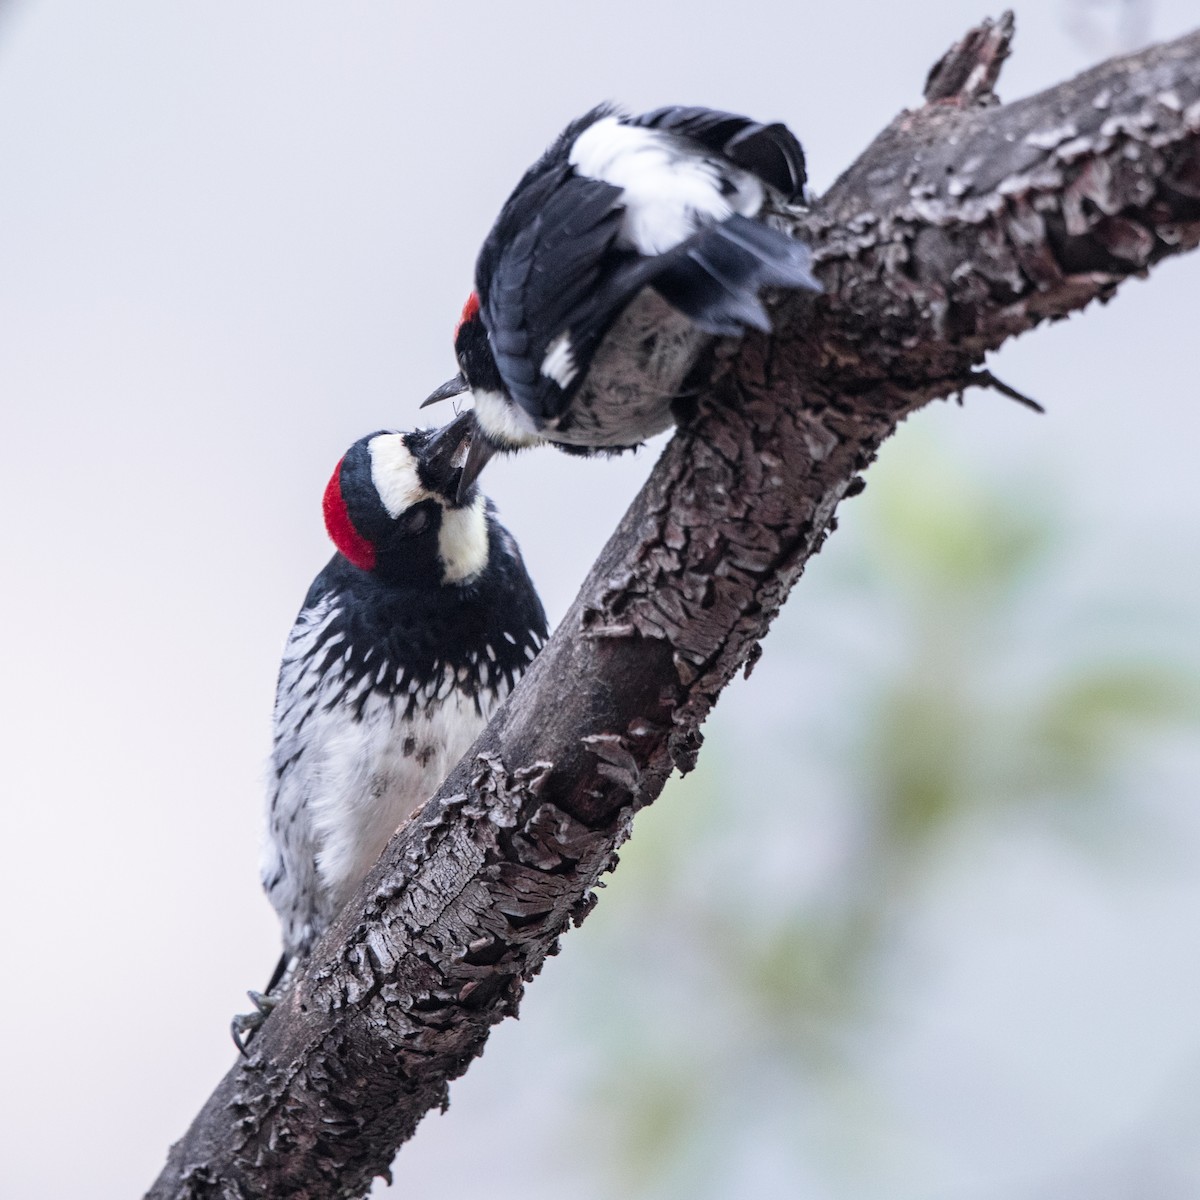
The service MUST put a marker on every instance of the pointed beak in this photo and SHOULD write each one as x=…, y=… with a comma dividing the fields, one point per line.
x=477, y=458
x=452, y=387
x=444, y=447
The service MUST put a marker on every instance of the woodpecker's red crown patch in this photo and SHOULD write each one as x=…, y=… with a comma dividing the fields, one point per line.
x=469, y=313
x=345, y=537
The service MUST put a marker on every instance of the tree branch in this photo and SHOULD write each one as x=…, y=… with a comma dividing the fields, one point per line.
x=963, y=224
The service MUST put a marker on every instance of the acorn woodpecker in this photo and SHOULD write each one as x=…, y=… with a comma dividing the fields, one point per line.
x=408, y=640
x=626, y=248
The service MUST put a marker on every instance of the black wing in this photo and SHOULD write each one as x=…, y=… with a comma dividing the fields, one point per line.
x=769, y=151
x=552, y=266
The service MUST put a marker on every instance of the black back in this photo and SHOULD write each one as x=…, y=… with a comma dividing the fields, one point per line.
x=551, y=263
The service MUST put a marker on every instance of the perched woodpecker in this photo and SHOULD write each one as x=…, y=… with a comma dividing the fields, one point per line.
x=408, y=640
x=622, y=253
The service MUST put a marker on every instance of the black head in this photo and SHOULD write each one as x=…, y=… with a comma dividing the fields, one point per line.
x=496, y=428
x=393, y=507
x=474, y=351
x=476, y=362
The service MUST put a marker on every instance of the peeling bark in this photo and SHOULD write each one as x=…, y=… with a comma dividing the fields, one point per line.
x=963, y=224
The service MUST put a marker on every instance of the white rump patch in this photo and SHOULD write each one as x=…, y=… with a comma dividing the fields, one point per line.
x=394, y=474
x=463, y=541
x=671, y=187
x=504, y=422
x=559, y=363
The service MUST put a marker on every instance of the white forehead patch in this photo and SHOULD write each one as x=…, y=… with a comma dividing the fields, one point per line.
x=394, y=474
x=463, y=535
x=463, y=541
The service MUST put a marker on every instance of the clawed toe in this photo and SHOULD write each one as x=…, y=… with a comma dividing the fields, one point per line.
x=244, y=1026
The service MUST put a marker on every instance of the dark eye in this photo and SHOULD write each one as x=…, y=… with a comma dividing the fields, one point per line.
x=415, y=520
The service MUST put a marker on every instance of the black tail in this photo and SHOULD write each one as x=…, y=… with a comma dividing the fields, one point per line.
x=281, y=968
x=715, y=276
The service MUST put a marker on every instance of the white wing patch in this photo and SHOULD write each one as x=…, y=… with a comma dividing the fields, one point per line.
x=463, y=541
x=671, y=188
x=394, y=474
x=559, y=363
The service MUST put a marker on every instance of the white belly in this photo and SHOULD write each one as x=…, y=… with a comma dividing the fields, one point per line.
x=374, y=774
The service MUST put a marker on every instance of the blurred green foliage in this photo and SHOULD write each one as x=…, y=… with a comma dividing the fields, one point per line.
x=749, y=1001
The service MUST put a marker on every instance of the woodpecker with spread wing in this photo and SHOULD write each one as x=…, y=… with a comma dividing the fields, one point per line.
x=623, y=252
x=408, y=640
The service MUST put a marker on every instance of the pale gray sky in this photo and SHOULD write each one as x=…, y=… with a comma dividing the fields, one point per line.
x=235, y=236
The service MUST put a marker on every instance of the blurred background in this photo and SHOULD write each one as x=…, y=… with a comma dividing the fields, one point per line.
x=924, y=923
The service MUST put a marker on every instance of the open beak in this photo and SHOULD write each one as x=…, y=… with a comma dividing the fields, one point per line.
x=452, y=387
x=478, y=455
x=444, y=447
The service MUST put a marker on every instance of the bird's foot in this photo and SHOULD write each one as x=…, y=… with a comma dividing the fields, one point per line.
x=244, y=1026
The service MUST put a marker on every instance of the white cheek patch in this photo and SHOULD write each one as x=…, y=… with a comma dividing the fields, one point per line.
x=505, y=423
x=463, y=541
x=670, y=190
x=559, y=363
x=394, y=473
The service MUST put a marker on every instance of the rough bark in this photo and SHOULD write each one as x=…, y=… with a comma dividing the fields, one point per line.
x=964, y=223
